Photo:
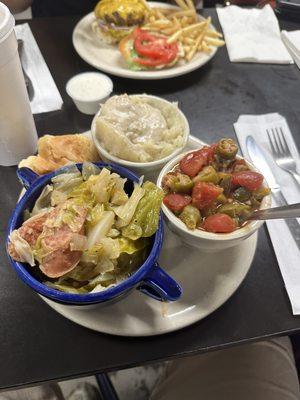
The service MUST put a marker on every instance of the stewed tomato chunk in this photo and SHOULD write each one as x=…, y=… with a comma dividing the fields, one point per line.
x=204, y=194
x=193, y=162
x=176, y=202
x=219, y=223
x=251, y=180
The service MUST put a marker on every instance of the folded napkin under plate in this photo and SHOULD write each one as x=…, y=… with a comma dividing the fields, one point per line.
x=286, y=250
x=46, y=95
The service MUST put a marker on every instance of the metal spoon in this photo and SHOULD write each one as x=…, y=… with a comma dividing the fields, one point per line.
x=28, y=83
x=290, y=211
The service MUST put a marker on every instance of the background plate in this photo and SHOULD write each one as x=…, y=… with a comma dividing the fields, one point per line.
x=207, y=279
x=107, y=58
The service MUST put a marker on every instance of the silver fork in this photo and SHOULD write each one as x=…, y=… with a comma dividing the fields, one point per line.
x=281, y=152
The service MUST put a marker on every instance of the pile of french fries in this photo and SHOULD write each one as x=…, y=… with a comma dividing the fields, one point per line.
x=185, y=27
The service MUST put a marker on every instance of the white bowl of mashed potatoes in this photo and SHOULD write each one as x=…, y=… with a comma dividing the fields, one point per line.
x=141, y=132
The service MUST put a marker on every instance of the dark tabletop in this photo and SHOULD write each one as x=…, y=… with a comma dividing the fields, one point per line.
x=36, y=343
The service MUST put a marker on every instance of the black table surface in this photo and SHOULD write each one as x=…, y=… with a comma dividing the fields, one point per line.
x=37, y=344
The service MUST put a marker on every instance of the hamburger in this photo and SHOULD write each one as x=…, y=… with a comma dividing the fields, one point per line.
x=115, y=19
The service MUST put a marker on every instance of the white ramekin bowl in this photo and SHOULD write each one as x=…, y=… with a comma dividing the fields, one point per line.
x=90, y=106
x=141, y=168
x=208, y=241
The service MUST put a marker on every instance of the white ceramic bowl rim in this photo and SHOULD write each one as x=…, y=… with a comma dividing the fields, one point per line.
x=143, y=164
x=96, y=99
x=250, y=227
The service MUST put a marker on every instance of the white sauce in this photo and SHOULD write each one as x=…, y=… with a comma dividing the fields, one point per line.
x=89, y=86
x=139, y=129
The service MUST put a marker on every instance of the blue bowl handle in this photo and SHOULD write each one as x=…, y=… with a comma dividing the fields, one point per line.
x=160, y=286
x=26, y=176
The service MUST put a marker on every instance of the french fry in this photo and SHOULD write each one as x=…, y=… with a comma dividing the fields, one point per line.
x=164, y=11
x=182, y=4
x=184, y=21
x=175, y=36
x=214, y=34
x=146, y=5
x=169, y=31
x=160, y=15
x=188, y=40
x=184, y=13
x=161, y=22
x=194, y=27
x=190, y=4
x=195, y=46
x=205, y=48
x=214, y=42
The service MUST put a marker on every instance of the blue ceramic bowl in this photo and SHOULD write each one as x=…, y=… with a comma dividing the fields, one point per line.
x=149, y=278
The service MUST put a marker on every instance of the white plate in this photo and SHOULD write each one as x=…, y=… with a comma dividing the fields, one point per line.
x=108, y=58
x=207, y=279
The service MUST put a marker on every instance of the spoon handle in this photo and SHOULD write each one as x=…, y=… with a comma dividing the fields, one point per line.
x=290, y=211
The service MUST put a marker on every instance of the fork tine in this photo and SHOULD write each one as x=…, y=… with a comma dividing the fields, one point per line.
x=280, y=141
x=287, y=149
x=271, y=143
x=276, y=143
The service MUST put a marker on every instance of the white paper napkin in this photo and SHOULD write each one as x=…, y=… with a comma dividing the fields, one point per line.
x=253, y=35
x=292, y=41
x=46, y=95
x=287, y=252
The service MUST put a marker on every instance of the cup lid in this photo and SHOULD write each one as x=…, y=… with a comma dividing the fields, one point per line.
x=7, y=21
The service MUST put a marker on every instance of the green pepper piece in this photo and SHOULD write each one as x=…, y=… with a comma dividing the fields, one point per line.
x=225, y=182
x=178, y=182
x=182, y=184
x=260, y=193
x=222, y=199
x=208, y=174
x=210, y=210
x=241, y=194
x=191, y=216
x=227, y=149
x=235, y=209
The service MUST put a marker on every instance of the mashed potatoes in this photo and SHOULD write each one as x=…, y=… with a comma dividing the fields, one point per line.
x=139, y=129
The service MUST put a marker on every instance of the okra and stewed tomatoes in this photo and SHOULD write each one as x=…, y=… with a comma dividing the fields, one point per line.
x=212, y=190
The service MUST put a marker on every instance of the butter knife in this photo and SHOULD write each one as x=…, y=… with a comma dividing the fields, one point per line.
x=28, y=83
x=259, y=160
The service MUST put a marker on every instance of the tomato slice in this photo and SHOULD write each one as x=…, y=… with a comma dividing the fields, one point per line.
x=176, y=202
x=149, y=45
x=249, y=179
x=204, y=194
x=219, y=223
x=153, y=50
x=151, y=62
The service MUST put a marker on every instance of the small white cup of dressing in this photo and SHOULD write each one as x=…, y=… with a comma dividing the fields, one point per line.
x=88, y=89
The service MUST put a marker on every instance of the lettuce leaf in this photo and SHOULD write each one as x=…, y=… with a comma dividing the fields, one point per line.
x=145, y=220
